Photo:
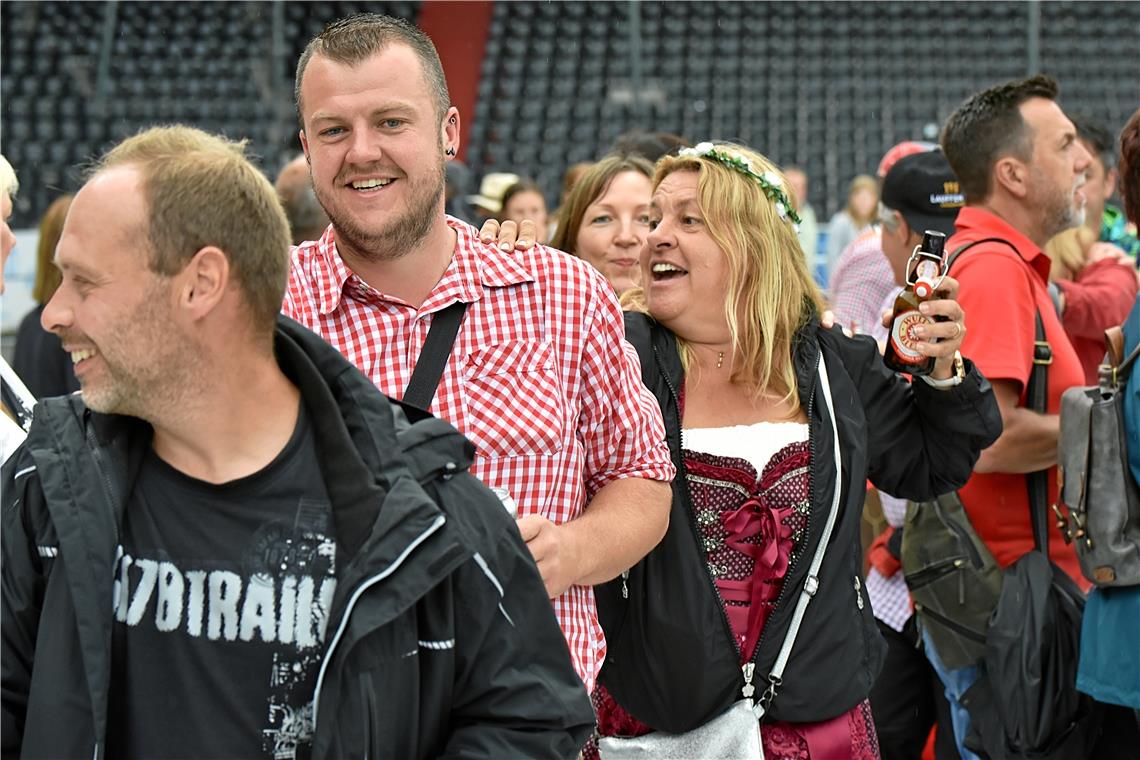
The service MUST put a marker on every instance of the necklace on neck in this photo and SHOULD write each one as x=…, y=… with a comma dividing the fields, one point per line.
x=719, y=359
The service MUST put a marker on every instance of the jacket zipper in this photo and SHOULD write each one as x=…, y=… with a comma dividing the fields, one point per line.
x=683, y=474
x=104, y=478
x=953, y=625
x=933, y=572
x=391, y=568
x=112, y=504
x=963, y=537
x=807, y=533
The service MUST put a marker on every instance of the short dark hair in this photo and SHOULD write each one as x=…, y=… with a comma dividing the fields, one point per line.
x=1130, y=168
x=356, y=38
x=649, y=145
x=1099, y=139
x=988, y=126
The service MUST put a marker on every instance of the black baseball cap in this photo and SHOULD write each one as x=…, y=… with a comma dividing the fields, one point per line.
x=922, y=187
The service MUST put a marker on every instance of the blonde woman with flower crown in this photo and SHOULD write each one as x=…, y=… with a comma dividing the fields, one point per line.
x=759, y=402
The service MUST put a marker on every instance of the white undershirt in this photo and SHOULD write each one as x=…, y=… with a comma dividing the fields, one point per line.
x=756, y=443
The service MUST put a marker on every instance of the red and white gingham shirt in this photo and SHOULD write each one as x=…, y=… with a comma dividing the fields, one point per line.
x=860, y=282
x=540, y=378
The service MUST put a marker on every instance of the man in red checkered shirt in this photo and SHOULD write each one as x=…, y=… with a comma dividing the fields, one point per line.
x=539, y=378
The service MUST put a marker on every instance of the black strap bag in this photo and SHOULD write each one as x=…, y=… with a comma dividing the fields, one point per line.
x=1026, y=704
x=953, y=578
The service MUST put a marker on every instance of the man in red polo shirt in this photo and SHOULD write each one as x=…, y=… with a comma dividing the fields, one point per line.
x=1021, y=167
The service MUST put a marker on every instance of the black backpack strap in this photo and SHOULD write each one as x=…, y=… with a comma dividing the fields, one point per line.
x=433, y=357
x=1038, y=396
x=962, y=249
x=639, y=334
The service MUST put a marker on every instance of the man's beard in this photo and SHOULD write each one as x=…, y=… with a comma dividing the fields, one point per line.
x=147, y=362
x=400, y=235
x=1060, y=211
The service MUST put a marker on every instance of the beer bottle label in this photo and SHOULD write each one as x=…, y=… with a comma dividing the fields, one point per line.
x=903, y=338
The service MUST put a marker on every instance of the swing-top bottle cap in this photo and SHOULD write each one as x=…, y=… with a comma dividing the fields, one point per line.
x=933, y=242
x=923, y=288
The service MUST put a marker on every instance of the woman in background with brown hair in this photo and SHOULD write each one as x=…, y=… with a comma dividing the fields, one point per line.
x=856, y=216
x=40, y=359
x=605, y=218
x=524, y=200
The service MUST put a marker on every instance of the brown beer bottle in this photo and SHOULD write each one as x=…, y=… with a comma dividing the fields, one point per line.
x=924, y=271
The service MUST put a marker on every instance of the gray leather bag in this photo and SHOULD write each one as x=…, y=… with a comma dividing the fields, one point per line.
x=1096, y=485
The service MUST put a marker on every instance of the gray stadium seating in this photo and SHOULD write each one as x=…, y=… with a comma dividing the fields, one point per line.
x=826, y=85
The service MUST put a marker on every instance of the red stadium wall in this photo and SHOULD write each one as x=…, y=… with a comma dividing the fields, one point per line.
x=459, y=31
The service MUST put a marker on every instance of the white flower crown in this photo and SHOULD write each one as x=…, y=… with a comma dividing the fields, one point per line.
x=769, y=181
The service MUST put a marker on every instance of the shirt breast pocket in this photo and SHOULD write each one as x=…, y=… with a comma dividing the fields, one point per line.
x=514, y=405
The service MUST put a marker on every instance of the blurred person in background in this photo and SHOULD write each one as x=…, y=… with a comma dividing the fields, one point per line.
x=307, y=220
x=809, y=226
x=605, y=218
x=649, y=145
x=1109, y=668
x=728, y=326
x=856, y=216
x=861, y=281
x=1096, y=286
x=488, y=202
x=1107, y=222
x=16, y=400
x=570, y=178
x=524, y=200
x=40, y=360
x=456, y=187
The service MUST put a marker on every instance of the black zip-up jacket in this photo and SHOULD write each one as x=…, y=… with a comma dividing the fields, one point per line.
x=911, y=440
x=408, y=571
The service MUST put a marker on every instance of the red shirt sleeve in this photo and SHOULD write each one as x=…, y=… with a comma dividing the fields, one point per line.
x=1101, y=296
x=998, y=299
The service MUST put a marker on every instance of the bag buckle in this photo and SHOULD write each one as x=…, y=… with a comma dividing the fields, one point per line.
x=1063, y=523
x=1042, y=352
x=774, y=683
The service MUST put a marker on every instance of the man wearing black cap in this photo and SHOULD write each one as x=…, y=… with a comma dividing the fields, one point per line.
x=918, y=193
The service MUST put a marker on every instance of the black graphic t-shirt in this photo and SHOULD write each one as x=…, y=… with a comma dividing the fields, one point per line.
x=221, y=600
